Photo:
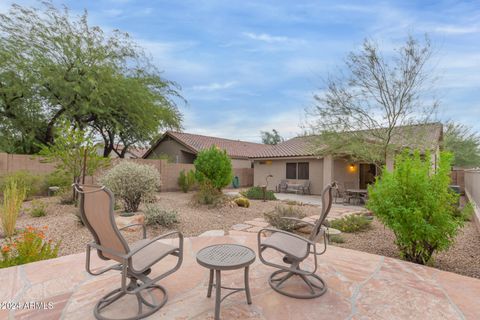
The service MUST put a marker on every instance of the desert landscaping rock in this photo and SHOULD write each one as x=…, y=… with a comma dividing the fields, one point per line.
x=240, y=226
x=213, y=233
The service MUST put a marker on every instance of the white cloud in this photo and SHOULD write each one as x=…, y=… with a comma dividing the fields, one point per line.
x=456, y=30
x=214, y=86
x=265, y=37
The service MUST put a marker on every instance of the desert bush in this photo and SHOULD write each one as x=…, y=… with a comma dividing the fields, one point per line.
x=58, y=178
x=242, y=202
x=33, y=184
x=29, y=246
x=186, y=180
x=132, y=183
x=38, y=209
x=13, y=196
x=351, y=223
x=256, y=193
x=275, y=217
x=65, y=195
x=465, y=213
x=416, y=203
x=208, y=195
x=156, y=215
x=336, y=238
x=214, y=167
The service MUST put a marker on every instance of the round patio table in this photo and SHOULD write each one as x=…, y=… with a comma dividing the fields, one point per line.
x=225, y=257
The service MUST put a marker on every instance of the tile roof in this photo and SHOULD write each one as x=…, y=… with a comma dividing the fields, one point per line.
x=196, y=142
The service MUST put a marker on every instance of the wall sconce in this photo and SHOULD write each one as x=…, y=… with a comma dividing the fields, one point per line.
x=351, y=167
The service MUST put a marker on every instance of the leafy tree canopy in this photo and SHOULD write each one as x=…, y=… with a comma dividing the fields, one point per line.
x=464, y=143
x=56, y=67
x=271, y=137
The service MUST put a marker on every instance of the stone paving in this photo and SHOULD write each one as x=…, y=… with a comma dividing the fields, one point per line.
x=360, y=286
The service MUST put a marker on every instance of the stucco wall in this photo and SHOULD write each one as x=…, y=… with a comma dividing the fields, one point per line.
x=176, y=152
x=277, y=168
x=240, y=163
x=344, y=174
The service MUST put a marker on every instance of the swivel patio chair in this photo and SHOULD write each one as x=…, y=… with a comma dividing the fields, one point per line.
x=296, y=249
x=133, y=261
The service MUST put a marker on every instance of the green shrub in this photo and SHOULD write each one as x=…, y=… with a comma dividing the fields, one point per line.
x=13, y=197
x=58, y=178
x=351, y=223
x=65, y=195
x=132, y=183
x=242, y=202
x=156, y=215
x=30, y=246
x=208, y=195
x=186, y=180
x=336, y=238
x=214, y=167
x=32, y=183
x=275, y=217
x=416, y=203
x=465, y=213
x=38, y=209
x=256, y=193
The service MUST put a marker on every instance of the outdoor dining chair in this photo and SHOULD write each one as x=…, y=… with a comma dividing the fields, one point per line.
x=133, y=261
x=295, y=250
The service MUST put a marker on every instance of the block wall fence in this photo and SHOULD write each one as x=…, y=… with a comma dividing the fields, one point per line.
x=472, y=191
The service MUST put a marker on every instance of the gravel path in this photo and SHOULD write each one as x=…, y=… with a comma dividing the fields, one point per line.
x=463, y=257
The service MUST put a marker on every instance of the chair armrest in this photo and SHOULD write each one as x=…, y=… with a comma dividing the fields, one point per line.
x=298, y=220
x=107, y=250
x=287, y=233
x=137, y=224
x=136, y=250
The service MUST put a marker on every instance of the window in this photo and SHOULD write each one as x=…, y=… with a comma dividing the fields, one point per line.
x=303, y=170
x=298, y=170
x=291, y=171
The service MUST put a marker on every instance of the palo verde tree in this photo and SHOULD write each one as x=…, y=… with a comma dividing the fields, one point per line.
x=62, y=68
x=464, y=143
x=359, y=110
x=271, y=137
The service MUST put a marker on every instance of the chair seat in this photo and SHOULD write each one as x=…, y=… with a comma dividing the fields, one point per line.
x=287, y=244
x=147, y=256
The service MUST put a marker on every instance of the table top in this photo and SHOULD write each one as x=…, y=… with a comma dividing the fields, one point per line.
x=357, y=190
x=225, y=256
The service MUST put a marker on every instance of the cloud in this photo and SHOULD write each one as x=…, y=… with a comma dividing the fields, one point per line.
x=265, y=37
x=214, y=86
x=456, y=30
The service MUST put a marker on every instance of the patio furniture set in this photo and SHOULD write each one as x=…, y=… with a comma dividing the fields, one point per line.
x=135, y=261
x=347, y=195
x=287, y=186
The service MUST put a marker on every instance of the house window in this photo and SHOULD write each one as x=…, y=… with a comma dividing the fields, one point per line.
x=303, y=170
x=291, y=171
x=298, y=170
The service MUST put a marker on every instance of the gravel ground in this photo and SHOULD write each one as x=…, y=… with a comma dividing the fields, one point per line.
x=193, y=220
x=462, y=258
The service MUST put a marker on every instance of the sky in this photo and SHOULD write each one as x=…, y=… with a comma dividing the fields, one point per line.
x=249, y=66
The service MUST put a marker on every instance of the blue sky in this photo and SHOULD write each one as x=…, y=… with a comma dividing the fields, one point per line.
x=251, y=65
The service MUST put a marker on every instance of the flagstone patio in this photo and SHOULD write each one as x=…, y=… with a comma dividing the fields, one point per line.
x=360, y=286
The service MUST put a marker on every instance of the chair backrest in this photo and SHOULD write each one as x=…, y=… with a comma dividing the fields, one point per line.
x=306, y=183
x=326, y=206
x=283, y=182
x=96, y=210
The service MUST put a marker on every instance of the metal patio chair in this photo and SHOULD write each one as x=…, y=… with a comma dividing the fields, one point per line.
x=134, y=261
x=296, y=249
x=283, y=186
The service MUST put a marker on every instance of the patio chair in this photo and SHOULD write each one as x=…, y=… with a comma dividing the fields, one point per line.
x=283, y=186
x=296, y=249
x=133, y=261
x=305, y=188
x=340, y=193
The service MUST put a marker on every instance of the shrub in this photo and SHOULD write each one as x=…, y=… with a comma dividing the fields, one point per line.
x=213, y=166
x=208, y=195
x=351, y=223
x=416, y=203
x=29, y=246
x=13, y=196
x=242, y=202
x=58, y=178
x=275, y=217
x=186, y=180
x=38, y=209
x=256, y=193
x=32, y=183
x=132, y=183
x=336, y=238
x=465, y=213
x=66, y=195
x=155, y=215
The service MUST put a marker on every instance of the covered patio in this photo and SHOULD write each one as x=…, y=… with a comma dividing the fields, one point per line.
x=360, y=286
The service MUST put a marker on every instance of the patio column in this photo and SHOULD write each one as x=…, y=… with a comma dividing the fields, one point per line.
x=327, y=170
x=389, y=162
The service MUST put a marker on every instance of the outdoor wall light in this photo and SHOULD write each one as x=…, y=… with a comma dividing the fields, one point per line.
x=352, y=166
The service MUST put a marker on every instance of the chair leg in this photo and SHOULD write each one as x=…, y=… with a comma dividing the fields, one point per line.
x=316, y=289
x=116, y=294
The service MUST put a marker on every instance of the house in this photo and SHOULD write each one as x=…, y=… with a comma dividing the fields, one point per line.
x=294, y=160
x=181, y=147
x=133, y=152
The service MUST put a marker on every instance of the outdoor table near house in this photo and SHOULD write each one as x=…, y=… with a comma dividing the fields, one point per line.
x=225, y=257
x=358, y=194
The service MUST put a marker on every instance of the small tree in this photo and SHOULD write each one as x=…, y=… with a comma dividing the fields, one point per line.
x=133, y=183
x=271, y=137
x=417, y=205
x=186, y=180
x=464, y=143
x=213, y=167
